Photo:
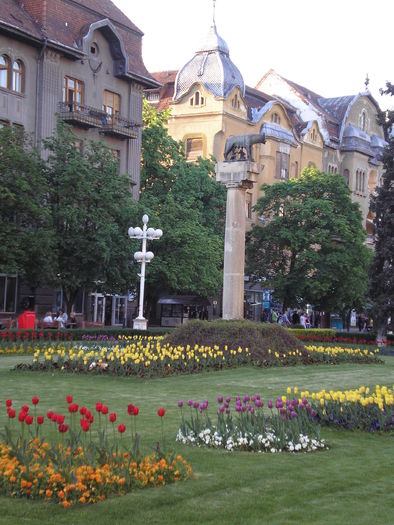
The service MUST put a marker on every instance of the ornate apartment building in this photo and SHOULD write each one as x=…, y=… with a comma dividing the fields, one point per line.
x=80, y=60
x=209, y=101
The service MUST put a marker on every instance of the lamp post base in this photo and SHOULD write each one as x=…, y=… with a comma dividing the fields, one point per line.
x=139, y=323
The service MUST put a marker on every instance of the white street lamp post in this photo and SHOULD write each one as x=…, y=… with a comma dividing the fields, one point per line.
x=140, y=323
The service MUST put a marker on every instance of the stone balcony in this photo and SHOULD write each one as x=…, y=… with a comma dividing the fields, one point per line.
x=90, y=117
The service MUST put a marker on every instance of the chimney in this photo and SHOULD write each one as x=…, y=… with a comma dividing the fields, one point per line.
x=37, y=9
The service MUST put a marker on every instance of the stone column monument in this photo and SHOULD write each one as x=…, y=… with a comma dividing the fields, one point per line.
x=238, y=173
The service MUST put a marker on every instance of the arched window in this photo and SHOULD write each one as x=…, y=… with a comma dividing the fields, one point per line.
x=17, y=76
x=197, y=99
x=235, y=102
x=363, y=120
x=346, y=174
x=4, y=71
x=275, y=118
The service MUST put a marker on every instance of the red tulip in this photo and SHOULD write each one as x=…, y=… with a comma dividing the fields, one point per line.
x=63, y=428
x=104, y=410
x=60, y=419
x=112, y=418
x=161, y=412
x=40, y=420
x=69, y=399
x=99, y=406
x=121, y=428
x=35, y=400
x=85, y=425
x=8, y=403
x=25, y=408
x=22, y=415
x=130, y=409
x=136, y=411
x=49, y=414
x=73, y=408
x=82, y=411
x=29, y=420
x=11, y=413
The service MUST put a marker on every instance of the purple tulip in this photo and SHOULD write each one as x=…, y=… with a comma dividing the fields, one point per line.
x=222, y=409
x=282, y=411
x=288, y=403
x=252, y=410
x=227, y=410
x=204, y=405
x=238, y=408
x=243, y=408
x=196, y=404
x=307, y=408
x=246, y=399
x=220, y=399
x=237, y=399
x=293, y=414
x=253, y=398
x=305, y=401
x=228, y=399
x=283, y=418
x=189, y=402
x=313, y=412
x=180, y=403
x=257, y=396
x=206, y=402
x=269, y=403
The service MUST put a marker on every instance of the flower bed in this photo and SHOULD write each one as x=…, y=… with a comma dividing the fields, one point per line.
x=338, y=354
x=246, y=426
x=79, y=466
x=359, y=409
x=76, y=334
x=148, y=357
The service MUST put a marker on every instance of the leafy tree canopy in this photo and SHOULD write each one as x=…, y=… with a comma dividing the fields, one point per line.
x=185, y=201
x=26, y=236
x=381, y=289
x=92, y=208
x=310, y=246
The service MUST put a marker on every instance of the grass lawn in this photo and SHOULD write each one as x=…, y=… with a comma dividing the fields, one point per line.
x=352, y=483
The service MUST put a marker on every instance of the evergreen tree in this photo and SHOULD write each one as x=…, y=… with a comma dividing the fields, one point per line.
x=381, y=288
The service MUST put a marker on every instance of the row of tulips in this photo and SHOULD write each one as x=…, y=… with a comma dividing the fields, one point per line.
x=148, y=357
x=244, y=424
x=358, y=409
x=69, y=457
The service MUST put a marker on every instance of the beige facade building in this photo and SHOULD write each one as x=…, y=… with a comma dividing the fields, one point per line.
x=80, y=60
x=209, y=102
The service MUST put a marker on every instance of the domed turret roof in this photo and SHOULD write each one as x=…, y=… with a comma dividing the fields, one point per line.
x=211, y=66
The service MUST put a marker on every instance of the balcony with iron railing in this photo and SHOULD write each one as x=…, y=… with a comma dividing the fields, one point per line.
x=90, y=117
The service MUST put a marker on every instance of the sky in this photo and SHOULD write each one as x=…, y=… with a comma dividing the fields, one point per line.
x=328, y=47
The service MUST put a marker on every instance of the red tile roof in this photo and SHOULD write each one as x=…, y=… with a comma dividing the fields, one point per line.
x=64, y=22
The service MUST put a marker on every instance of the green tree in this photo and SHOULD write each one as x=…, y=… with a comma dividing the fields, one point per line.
x=381, y=288
x=26, y=236
x=310, y=246
x=185, y=201
x=92, y=208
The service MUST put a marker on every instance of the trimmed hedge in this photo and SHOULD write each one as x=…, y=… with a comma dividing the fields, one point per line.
x=318, y=332
x=257, y=337
x=76, y=334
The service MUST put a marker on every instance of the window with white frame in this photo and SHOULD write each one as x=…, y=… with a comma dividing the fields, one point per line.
x=5, y=64
x=73, y=93
x=282, y=165
x=8, y=293
x=18, y=76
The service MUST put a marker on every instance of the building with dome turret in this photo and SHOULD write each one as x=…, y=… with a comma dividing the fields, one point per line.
x=209, y=101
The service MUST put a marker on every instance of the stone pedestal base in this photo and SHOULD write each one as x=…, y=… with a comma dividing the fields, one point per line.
x=140, y=324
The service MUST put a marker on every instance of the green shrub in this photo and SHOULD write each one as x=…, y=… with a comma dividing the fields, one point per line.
x=312, y=332
x=259, y=338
